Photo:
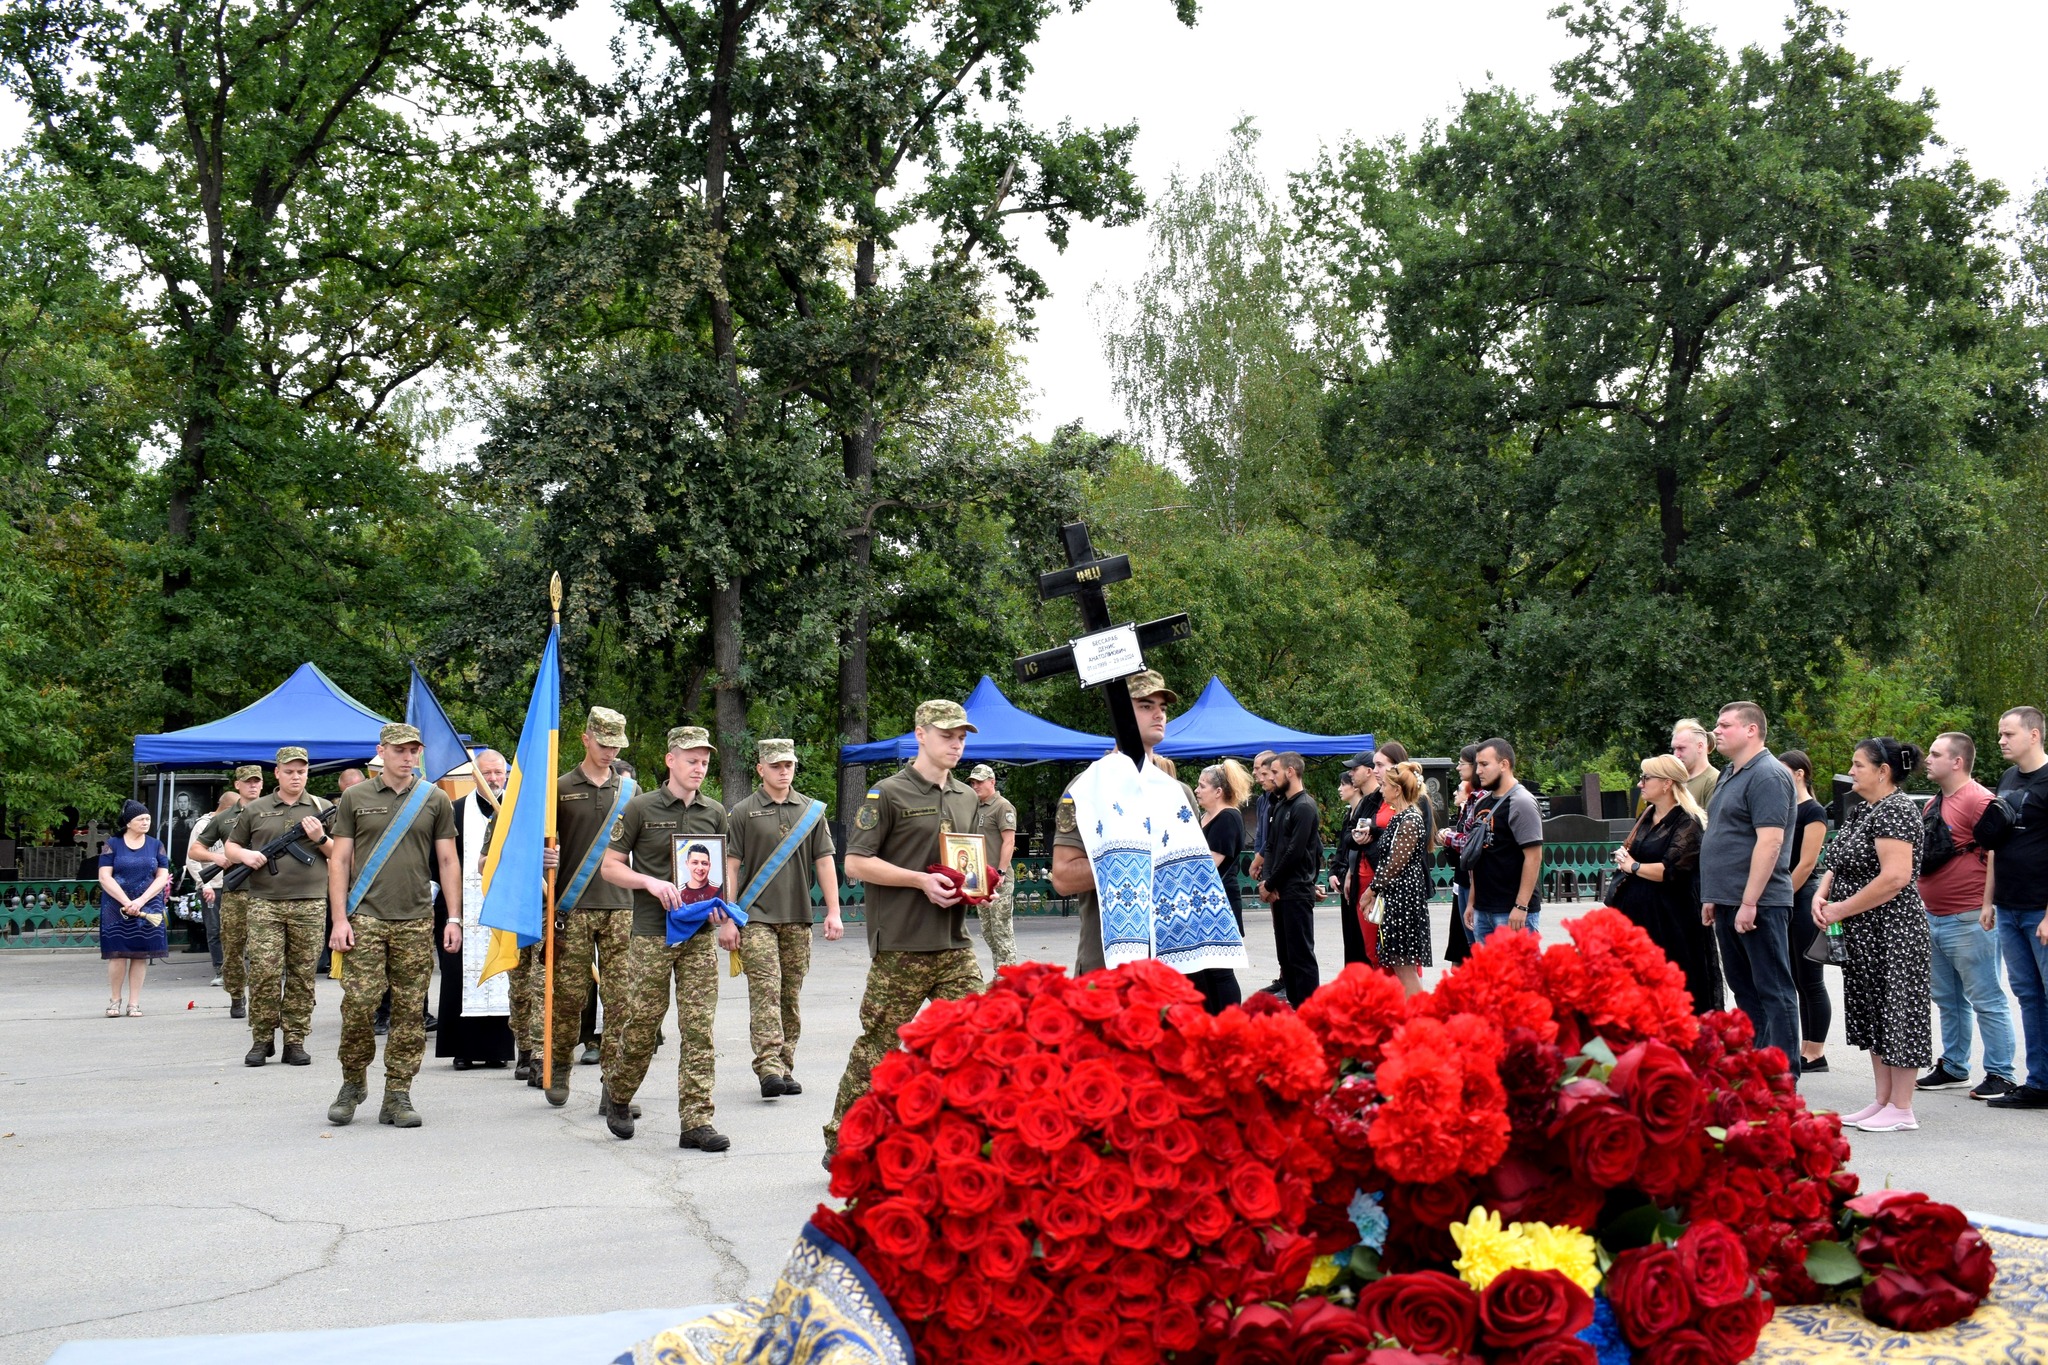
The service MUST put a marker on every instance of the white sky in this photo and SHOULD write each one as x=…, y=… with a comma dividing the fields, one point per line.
x=1314, y=72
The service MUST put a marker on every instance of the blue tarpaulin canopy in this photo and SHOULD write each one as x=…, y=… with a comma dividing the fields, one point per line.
x=1004, y=734
x=306, y=709
x=1217, y=725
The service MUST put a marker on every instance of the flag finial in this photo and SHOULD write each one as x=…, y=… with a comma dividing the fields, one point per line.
x=555, y=596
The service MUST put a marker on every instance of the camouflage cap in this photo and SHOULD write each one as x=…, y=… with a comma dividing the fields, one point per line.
x=398, y=732
x=945, y=715
x=607, y=727
x=246, y=771
x=690, y=737
x=292, y=753
x=1149, y=683
x=982, y=773
x=776, y=751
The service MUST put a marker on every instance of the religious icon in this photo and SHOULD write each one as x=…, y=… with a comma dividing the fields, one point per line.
x=966, y=854
x=699, y=863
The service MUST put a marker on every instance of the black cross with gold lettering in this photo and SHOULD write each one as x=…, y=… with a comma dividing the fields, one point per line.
x=1083, y=580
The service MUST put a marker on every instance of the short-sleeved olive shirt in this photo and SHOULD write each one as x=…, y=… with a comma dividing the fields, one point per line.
x=754, y=829
x=646, y=835
x=1067, y=834
x=263, y=820
x=219, y=827
x=900, y=821
x=583, y=811
x=996, y=816
x=402, y=890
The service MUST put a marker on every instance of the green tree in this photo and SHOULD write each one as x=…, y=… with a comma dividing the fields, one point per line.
x=1206, y=353
x=314, y=195
x=1671, y=387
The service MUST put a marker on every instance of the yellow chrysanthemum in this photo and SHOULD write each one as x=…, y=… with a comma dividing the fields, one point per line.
x=1566, y=1250
x=1485, y=1249
x=1324, y=1271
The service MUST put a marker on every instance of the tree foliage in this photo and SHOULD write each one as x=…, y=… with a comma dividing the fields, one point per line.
x=1671, y=386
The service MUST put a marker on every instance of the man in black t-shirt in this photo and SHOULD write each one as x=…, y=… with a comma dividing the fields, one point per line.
x=2016, y=895
x=1507, y=883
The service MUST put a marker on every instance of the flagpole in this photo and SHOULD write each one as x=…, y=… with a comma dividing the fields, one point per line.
x=547, y=1017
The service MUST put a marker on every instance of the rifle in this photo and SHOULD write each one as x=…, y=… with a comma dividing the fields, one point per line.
x=291, y=843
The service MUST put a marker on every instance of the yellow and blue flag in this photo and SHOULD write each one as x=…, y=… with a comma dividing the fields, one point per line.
x=514, y=907
x=443, y=748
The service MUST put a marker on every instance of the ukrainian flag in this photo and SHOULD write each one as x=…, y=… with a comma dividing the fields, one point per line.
x=514, y=907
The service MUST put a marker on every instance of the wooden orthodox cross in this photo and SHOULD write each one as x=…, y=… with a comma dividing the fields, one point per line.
x=1106, y=654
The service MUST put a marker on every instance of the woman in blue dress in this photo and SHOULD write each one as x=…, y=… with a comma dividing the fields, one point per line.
x=134, y=871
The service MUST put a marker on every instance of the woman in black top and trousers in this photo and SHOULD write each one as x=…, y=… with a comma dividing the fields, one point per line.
x=1221, y=793
x=1809, y=832
x=1659, y=891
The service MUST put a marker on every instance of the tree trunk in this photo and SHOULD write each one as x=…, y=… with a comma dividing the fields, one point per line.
x=729, y=700
x=857, y=449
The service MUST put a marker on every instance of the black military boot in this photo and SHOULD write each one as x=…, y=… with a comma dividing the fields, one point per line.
x=239, y=1010
x=617, y=1117
x=259, y=1053
x=523, y=1068
x=704, y=1138
x=343, y=1110
x=296, y=1055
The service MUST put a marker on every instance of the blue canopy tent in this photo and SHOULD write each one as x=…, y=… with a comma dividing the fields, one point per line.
x=1004, y=734
x=305, y=709
x=1217, y=725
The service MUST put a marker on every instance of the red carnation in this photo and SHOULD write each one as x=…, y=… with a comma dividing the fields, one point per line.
x=1356, y=1013
x=1522, y=1307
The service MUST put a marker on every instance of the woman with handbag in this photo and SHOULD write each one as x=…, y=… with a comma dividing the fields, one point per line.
x=1397, y=900
x=1658, y=885
x=1453, y=836
x=1870, y=885
x=1809, y=832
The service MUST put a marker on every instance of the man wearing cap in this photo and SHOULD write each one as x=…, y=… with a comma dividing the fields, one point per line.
x=998, y=820
x=646, y=834
x=287, y=910
x=917, y=927
x=209, y=845
x=394, y=837
x=776, y=838
x=593, y=917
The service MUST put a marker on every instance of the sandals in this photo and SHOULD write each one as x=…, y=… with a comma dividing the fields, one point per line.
x=135, y=1011
x=113, y=1009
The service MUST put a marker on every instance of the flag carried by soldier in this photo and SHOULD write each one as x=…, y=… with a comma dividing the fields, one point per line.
x=515, y=908
x=442, y=750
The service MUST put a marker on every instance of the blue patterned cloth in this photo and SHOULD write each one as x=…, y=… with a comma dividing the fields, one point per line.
x=134, y=868
x=1155, y=878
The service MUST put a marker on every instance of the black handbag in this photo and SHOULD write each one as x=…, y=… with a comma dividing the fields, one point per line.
x=1477, y=836
x=1620, y=879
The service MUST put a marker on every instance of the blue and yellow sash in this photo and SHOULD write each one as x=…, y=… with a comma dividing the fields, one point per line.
x=594, y=855
x=805, y=823
x=415, y=802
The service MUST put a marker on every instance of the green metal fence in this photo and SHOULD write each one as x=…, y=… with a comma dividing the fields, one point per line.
x=66, y=914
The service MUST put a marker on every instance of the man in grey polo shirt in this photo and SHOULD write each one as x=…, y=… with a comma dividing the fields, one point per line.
x=1746, y=877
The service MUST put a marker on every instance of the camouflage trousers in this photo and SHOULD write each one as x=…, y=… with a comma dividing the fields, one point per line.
x=898, y=986
x=590, y=939
x=234, y=943
x=525, y=993
x=996, y=928
x=393, y=955
x=284, y=954
x=693, y=965
x=776, y=957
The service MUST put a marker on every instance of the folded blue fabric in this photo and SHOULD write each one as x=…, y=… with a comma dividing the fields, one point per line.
x=687, y=920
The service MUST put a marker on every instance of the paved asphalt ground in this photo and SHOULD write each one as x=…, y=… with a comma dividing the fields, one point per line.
x=155, y=1186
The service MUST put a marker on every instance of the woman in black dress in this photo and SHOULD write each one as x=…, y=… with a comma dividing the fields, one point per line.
x=1221, y=792
x=1453, y=836
x=1809, y=832
x=1353, y=867
x=1870, y=885
x=1660, y=864
x=1400, y=883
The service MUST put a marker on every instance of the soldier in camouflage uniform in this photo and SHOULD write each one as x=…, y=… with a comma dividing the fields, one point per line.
x=287, y=910
x=775, y=945
x=998, y=820
x=594, y=929
x=641, y=858
x=917, y=935
x=525, y=1019
x=209, y=844
x=389, y=940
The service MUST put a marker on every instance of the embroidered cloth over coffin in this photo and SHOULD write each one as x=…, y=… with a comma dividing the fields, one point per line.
x=1155, y=879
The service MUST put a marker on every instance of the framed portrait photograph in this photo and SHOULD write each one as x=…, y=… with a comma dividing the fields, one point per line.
x=966, y=854
x=699, y=866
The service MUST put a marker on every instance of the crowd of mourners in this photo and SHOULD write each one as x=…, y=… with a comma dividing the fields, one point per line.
x=1733, y=873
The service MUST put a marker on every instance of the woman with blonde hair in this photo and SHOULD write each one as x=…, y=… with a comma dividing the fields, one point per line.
x=1658, y=886
x=1221, y=792
x=1400, y=882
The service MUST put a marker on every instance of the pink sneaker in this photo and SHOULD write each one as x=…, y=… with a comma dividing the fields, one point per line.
x=1889, y=1119
x=1851, y=1120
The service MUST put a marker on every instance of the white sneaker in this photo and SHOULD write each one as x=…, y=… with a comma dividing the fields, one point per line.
x=1890, y=1119
x=216, y=981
